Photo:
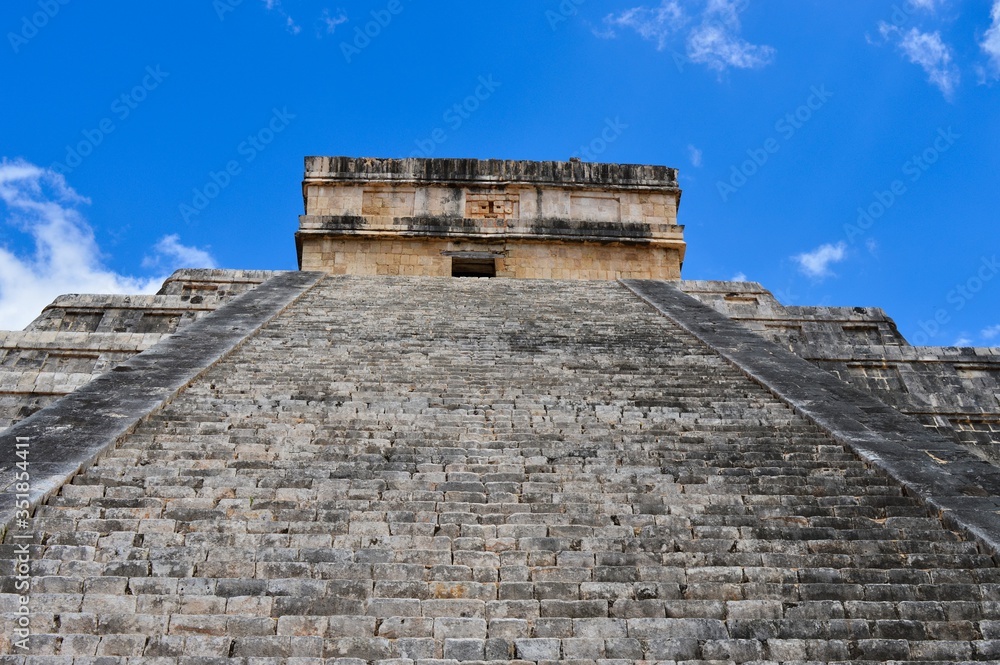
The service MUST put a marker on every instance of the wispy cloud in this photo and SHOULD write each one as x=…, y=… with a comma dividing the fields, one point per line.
x=708, y=31
x=928, y=50
x=816, y=264
x=657, y=24
x=716, y=42
x=326, y=23
x=290, y=24
x=329, y=22
x=696, y=156
x=990, y=333
x=738, y=277
x=991, y=41
x=66, y=256
x=962, y=341
x=171, y=253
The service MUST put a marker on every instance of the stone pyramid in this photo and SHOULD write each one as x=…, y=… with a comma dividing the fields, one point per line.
x=585, y=460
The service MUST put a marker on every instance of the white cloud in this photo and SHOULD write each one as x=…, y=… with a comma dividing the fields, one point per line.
x=713, y=41
x=928, y=50
x=990, y=333
x=325, y=25
x=331, y=22
x=66, y=257
x=738, y=277
x=290, y=24
x=991, y=40
x=817, y=263
x=962, y=341
x=695, y=154
x=171, y=253
x=928, y=5
x=656, y=24
x=716, y=42
x=931, y=53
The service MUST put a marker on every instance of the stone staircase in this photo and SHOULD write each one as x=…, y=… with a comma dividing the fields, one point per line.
x=78, y=337
x=489, y=470
x=953, y=391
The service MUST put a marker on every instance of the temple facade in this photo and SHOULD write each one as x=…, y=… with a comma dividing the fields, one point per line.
x=465, y=217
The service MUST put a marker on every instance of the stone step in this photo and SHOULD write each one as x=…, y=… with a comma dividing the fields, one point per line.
x=417, y=640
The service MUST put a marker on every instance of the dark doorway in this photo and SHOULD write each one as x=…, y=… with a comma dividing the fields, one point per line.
x=463, y=267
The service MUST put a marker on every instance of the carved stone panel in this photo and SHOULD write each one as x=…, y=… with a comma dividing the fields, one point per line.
x=493, y=205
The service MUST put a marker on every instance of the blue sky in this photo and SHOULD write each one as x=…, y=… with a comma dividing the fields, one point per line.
x=839, y=153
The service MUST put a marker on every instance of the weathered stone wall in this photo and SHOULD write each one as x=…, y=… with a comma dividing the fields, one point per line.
x=953, y=390
x=501, y=202
x=184, y=297
x=36, y=368
x=222, y=285
x=519, y=259
x=540, y=219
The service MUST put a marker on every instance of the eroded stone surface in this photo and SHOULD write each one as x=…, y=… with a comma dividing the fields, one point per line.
x=414, y=469
x=80, y=337
x=45, y=450
x=953, y=391
x=542, y=220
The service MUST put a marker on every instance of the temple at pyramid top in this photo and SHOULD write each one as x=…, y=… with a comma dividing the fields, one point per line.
x=490, y=218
